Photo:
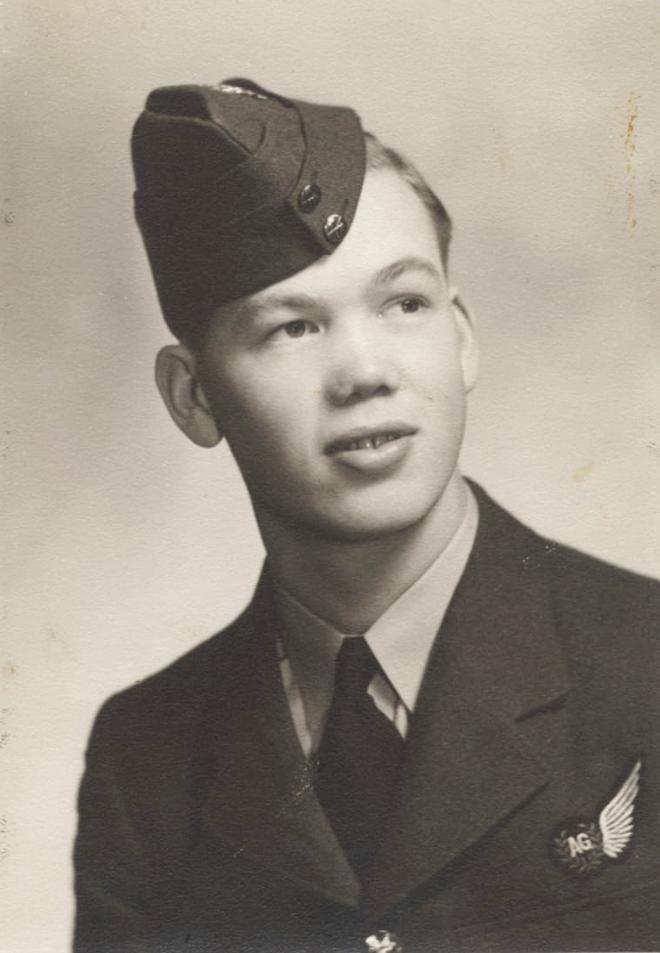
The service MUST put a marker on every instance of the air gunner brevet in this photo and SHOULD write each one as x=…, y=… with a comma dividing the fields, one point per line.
x=237, y=189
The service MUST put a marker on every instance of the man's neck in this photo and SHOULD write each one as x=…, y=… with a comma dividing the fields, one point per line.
x=350, y=584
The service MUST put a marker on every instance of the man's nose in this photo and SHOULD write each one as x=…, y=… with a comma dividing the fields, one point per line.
x=361, y=365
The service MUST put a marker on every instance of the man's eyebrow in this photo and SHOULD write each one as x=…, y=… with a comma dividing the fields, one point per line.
x=403, y=265
x=252, y=309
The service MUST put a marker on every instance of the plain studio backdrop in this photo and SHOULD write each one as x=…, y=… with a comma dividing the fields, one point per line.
x=124, y=545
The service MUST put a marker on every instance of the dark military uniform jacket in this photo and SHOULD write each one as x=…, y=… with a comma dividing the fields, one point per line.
x=529, y=812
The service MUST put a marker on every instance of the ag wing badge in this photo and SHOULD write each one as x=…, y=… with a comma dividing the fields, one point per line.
x=582, y=847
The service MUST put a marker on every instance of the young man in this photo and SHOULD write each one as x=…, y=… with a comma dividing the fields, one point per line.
x=431, y=729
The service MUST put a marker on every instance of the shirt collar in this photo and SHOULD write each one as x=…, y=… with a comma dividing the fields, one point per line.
x=401, y=638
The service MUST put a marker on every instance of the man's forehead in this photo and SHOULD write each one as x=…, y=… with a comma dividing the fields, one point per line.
x=392, y=237
x=284, y=292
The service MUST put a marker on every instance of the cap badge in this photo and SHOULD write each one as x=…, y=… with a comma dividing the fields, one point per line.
x=382, y=941
x=335, y=228
x=240, y=91
x=583, y=846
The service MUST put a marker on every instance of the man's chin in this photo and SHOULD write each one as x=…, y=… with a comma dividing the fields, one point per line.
x=362, y=526
x=349, y=518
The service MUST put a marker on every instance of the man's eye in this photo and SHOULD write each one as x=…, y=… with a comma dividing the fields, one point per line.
x=297, y=329
x=410, y=305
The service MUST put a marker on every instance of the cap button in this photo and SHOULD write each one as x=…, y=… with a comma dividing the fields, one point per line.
x=335, y=228
x=309, y=197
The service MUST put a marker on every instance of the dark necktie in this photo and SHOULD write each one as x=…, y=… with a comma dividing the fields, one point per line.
x=358, y=759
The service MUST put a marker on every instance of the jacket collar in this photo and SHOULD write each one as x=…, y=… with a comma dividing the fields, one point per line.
x=467, y=765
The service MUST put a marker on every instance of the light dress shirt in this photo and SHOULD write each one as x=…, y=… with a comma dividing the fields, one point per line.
x=401, y=640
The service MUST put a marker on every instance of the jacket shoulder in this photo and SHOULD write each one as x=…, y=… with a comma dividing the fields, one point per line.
x=579, y=576
x=606, y=621
x=609, y=595
x=607, y=618
x=176, y=696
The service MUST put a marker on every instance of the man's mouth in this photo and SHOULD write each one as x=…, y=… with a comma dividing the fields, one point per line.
x=368, y=443
x=368, y=438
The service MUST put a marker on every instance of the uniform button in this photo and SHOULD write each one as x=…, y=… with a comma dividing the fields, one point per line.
x=309, y=197
x=382, y=941
x=335, y=228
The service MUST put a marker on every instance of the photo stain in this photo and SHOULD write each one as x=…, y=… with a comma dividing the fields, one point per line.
x=4, y=849
x=581, y=474
x=632, y=112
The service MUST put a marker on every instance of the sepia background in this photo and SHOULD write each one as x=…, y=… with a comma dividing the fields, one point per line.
x=122, y=545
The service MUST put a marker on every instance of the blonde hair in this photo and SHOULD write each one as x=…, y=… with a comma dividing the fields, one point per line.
x=380, y=156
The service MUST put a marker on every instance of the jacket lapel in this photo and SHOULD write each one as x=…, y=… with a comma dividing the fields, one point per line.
x=468, y=764
x=262, y=800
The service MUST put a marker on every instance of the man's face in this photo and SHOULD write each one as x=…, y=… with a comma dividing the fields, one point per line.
x=341, y=390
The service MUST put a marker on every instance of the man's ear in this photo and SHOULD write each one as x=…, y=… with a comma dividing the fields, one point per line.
x=468, y=340
x=183, y=395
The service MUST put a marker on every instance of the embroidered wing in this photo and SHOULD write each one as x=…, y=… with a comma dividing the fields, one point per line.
x=616, y=818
